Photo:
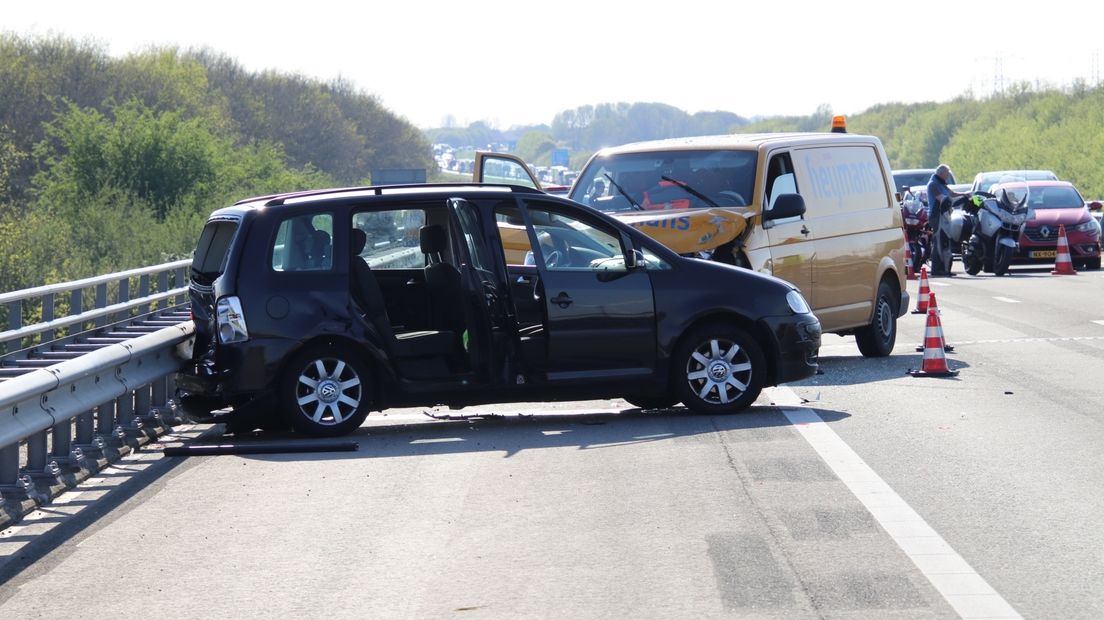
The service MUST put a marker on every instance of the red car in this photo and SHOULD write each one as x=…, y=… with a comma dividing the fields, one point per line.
x=1058, y=203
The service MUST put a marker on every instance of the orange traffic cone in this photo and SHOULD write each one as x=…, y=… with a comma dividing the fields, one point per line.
x=910, y=273
x=934, y=305
x=1063, y=266
x=934, y=363
x=922, y=298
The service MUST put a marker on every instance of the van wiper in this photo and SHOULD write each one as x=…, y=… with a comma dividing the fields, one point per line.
x=635, y=204
x=691, y=191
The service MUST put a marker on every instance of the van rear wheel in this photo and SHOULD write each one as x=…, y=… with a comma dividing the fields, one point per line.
x=878, y=338
x=325, y=392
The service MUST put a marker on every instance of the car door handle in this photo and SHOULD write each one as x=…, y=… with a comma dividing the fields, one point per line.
x=804, y=231
x=562, y=300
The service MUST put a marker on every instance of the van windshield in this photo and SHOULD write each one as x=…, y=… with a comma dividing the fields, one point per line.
x=667, y=180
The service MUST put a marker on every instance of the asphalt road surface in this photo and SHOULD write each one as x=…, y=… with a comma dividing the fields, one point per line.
x=860, y=493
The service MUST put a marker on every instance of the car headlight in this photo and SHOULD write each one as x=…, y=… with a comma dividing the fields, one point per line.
x=231, y=321
x=1090, y=226
x=797, y=303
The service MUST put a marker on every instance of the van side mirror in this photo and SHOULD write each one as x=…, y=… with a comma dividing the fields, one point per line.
x=786, y=205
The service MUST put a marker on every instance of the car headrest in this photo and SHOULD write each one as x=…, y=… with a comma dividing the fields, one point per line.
x=359, y=238
x=432, y=239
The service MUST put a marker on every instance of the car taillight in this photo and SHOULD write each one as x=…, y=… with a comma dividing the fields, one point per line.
x=231, y=321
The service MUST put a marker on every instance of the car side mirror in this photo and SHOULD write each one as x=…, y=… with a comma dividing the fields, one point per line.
x=1095, y=205
x=786, y=205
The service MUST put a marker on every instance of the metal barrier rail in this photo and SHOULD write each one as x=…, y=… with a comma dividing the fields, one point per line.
x=112, y=300
x=71, y=403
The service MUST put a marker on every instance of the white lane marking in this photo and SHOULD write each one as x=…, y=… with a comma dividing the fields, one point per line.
x=963, y=588
x=1007, y=300
x=1099, y=322
x=939, y=284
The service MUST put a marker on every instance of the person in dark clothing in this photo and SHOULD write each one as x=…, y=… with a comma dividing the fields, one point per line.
x=938, y=190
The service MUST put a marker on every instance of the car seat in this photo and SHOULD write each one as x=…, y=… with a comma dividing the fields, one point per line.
x=443, y=282
x=367, y=294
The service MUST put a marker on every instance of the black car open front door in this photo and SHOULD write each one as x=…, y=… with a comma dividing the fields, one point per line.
x=599, y=313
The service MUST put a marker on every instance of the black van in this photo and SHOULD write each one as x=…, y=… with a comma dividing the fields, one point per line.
x=310, y=313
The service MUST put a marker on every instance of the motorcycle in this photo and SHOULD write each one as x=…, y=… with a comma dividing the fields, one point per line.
x=956, y=225
x=999, y=222
x=915, y=215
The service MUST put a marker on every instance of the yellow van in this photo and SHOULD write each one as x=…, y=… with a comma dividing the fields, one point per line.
x=816, y=209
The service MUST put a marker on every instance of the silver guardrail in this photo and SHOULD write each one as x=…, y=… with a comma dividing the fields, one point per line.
x=79, y=391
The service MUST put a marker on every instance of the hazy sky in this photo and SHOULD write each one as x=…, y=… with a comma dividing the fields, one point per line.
x=521, y=62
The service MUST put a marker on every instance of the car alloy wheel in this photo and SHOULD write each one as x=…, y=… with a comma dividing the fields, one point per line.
x=721, y=369
x=326, y=393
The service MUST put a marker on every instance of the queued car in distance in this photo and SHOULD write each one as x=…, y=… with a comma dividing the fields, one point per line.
x=818, y=210
x=305, y=306
x=1057, y=203
x=984, y=181
x=911, y=177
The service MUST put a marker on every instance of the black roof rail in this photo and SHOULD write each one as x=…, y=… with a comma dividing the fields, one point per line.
x=279, y=199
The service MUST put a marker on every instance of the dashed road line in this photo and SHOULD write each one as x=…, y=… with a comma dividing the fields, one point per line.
x=950, y=574
x=1007, y=300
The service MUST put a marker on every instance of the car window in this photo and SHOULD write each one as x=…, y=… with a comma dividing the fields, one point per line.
x=392, y=237
x=470, y=229
x=1055, y=198
x=569, y=242
x=212, y=249
x=780, y=178
x=304, y=243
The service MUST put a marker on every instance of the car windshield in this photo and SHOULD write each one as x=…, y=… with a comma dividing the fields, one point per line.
x=909, y=179
x=986, y=181
x=1055, y=198
x=667, y=180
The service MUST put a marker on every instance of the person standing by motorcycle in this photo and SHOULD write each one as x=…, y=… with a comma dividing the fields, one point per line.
x=938, y=191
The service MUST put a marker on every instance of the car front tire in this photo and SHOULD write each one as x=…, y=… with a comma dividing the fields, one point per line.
x=325, y=392
x=878, y=338
x=719, y=369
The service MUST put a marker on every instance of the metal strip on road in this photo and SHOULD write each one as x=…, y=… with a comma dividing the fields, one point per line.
x=963, y=588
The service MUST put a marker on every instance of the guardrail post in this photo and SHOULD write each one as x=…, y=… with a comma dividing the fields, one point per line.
x=76, y=306
x=180, y=282
x=160, y=389
x=47, y=315
x=105, y=420
x=15, y=321
x=101, y=302
x=36, y=452
x=86, y=431
x=125, y=413
x=124, y=296
x=9, y=465
x=63, y=441
x=144, y=291
x=162, y=286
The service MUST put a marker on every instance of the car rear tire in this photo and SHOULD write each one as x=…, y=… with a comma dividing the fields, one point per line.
x=1093, y=263
x=878, y=338
x=719, y=369
x=325, y=392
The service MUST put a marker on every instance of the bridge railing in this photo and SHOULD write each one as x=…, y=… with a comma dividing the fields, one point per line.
x=67, y=405
x=45, y=313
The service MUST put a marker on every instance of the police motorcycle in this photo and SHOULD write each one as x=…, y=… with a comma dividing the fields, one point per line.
x=956, y=225
x=914, y=212
x=998, y=222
